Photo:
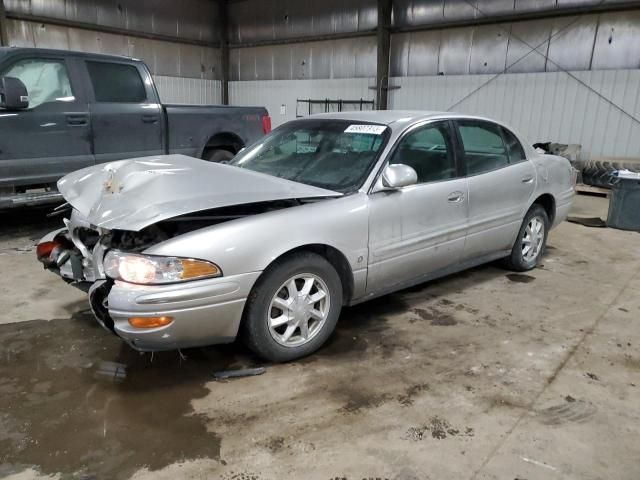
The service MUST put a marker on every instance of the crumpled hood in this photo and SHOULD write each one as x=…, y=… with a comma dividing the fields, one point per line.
x=132, y=194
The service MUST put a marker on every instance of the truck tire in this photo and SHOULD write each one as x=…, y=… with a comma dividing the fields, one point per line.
x=217, y=155
x=598, y=173
x=293, y=308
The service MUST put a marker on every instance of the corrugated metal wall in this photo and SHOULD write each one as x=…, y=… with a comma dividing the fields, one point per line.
x=185, y=73
x=186, y=19
x=542, y=106
x=274, y=94
x=190, y=91
x=598, y=42
x=162, y=58
x=344, y=58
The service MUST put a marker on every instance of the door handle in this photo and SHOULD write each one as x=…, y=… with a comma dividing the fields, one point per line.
x=150, y=118
x=77, y=120
x=527, y=179
x=455, y=197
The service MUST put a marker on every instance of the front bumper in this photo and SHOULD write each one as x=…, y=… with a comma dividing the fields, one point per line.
x=205, y=312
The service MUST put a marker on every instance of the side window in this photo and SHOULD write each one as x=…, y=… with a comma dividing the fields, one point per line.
x=484, y=149
x=116, y=83
x=46, y=80
x=516, y=152
x=428, y=150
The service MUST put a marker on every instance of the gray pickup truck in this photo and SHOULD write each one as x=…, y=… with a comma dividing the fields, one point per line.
x=61, y=111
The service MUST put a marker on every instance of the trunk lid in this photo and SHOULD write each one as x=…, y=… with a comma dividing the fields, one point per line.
x=132, y=194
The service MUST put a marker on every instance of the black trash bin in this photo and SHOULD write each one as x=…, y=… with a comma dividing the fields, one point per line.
x=624, y=204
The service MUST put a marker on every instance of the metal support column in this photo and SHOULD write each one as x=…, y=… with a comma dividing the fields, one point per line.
x=4, y=38
x=384, y=45
x=224, y=50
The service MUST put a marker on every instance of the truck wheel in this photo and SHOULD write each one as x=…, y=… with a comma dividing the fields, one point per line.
x=217, y=155
x=293, y=308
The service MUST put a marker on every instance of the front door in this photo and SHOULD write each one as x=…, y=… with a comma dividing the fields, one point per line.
x=126, y=117
x=51, y=137
x=419, y=229
x=501, y=182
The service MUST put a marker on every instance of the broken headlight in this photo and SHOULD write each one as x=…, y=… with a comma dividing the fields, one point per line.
x=151, y=269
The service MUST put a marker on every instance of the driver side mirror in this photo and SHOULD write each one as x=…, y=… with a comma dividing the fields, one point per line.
x=13, y=94
x=398, y=176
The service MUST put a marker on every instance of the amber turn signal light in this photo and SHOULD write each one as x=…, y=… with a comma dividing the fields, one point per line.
x=43, y=250
x=149, y=322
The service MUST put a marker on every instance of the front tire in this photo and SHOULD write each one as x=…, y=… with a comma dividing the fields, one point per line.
x=531, y=241
x=293, y=308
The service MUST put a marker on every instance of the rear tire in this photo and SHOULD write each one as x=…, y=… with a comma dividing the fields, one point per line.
x=531, y=241
x=217, y=155
x=293, y=308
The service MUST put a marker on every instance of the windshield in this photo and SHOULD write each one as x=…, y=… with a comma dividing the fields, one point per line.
x=333, y=154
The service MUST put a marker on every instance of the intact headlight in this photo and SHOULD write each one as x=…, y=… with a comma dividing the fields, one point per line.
x=151, y=269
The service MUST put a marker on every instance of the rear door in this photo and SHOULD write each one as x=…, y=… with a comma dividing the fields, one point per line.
x=419, y=229
x=501, y=181
x=127, y=120
x=51, y=137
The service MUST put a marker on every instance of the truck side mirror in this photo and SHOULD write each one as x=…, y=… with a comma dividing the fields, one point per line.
x=13, y=94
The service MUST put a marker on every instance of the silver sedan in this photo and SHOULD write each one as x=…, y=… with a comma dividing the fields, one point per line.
x=326, y=211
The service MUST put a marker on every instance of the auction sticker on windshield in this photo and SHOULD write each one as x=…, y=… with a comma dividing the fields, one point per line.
x=370, y=129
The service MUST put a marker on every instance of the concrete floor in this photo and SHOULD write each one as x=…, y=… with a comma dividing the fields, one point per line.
x=485, y=374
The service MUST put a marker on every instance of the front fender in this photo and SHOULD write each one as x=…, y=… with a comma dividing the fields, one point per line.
x=252, y=243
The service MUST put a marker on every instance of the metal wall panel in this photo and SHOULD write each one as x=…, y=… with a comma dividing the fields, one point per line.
x=252, y=21
x=399, y=54
x=276, y=94
x=599, y=42
x=162, y=58
x=542, y=106
x=524, y=36
x=571, y=48
x=346, y=58
x=189, y=19
x=424, y=53
x=192, y=91
x=412, y=13
x=618, y=41
x=455, y=50
x=489, y=49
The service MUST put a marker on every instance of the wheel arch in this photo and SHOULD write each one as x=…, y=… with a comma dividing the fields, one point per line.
x=225, y=141
x=334, y=256
x=548, y=202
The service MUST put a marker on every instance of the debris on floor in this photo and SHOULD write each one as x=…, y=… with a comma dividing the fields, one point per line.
x=596, y=222
x=245, y=372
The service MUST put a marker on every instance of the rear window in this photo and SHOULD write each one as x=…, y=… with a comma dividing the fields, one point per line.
x=116, y=83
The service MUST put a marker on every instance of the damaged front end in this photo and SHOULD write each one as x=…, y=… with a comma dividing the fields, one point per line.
x=76, y=253
x=119, y=211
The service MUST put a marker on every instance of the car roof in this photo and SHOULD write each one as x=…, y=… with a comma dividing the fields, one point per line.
x=395, y=118
x=51, y=51
x=386, y=117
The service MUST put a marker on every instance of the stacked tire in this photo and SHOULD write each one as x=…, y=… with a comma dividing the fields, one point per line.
x=599, y=173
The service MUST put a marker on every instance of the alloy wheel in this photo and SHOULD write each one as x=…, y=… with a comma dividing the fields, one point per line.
x=298, y=310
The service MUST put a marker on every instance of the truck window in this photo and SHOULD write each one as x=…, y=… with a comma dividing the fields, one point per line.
x=46, y=80
x=116, y=83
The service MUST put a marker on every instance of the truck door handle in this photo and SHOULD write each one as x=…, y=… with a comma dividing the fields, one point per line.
x=150, y=118
x=527, y=179
x=455, y=197
x=77, y=120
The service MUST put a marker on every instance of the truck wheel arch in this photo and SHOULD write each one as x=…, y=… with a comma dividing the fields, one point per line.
x=223, y=141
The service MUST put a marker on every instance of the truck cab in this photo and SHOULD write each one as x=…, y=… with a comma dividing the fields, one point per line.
x=61, y=111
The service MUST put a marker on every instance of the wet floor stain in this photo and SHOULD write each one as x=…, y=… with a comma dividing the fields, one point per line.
x=77, y=400
x=438, y=428
x=568, y=411
x=435, y=316
x=520, y=278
